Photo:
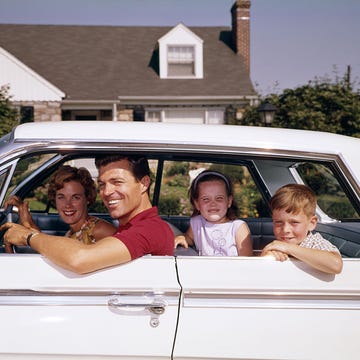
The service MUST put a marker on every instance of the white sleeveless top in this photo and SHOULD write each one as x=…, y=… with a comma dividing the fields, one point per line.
x=215, y=239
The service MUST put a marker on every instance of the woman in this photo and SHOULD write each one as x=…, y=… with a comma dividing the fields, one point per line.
x=71, y=190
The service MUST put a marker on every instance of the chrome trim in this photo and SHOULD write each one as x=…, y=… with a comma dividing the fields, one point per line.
x=17, y=297
x=274, y=300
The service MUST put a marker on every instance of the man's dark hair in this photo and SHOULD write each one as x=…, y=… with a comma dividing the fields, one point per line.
x=139, y=165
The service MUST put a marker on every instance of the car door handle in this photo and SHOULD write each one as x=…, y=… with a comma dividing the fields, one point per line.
x=154, y=305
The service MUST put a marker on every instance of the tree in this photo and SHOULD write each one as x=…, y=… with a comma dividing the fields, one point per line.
x=321, y=105
x=8, y=115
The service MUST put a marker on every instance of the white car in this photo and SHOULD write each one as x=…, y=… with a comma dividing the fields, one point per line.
x=185, y=306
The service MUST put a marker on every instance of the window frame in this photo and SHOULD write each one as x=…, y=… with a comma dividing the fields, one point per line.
x=178, y=59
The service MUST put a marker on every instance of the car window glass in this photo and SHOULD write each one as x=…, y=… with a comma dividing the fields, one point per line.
x=177, y=177
x=24, y=168
x=331, y=197
x=3, y=176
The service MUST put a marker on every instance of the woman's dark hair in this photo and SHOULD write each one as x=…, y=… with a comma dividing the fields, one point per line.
x=210, y=175
x=67, y=173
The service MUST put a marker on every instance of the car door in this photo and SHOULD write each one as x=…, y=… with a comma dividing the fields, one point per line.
x=127, y=311
x=258, y=308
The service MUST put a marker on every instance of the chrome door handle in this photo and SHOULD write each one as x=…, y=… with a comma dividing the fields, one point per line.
x=154, y=305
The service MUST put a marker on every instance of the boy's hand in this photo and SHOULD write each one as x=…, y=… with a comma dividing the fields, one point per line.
x=277, y=249
x=277, y=255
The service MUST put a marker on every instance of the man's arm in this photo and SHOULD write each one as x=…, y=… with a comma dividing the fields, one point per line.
x=70, y=253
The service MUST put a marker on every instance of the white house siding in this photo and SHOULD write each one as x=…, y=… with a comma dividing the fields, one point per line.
x=25, y=84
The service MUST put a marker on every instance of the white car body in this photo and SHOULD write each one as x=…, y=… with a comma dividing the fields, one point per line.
x=181, y=307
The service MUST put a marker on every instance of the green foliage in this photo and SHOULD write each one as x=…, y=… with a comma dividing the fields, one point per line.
x=234, y=172
x=98, y=206
x=179, y=180
x=338, y=208
x=178, y=168
x=170, y=205
x=8, y=115
x=321, y=105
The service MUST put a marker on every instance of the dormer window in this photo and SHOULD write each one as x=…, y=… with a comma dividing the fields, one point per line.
x=181, y=54
x=181, y=60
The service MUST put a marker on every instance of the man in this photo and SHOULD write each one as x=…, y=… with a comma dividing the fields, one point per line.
x=124, y=183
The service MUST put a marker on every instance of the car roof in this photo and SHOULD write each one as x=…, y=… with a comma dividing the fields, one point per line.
x=252, y=140
x=198, y=134
x=250, y=137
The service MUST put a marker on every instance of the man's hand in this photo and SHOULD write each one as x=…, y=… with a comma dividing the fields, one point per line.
x=15, y=234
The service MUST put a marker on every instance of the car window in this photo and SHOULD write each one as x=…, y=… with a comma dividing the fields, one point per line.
x=171, y=181
x=25, y=167
x=4, y=174
x=330, y=194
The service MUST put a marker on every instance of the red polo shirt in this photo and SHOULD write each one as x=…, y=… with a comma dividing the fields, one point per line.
x=147, y=233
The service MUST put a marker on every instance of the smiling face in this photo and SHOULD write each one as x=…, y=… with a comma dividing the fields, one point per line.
x=290, y=227
x=121, y=193
x=213, y=201
x=71, y=204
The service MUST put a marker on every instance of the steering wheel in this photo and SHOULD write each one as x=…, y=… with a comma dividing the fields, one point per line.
x=6, y=216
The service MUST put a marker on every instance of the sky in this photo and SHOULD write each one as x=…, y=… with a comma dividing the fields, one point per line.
x=292, y=41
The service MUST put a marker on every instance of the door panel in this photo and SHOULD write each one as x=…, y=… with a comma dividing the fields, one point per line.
x=252, y=308
x=125, y=311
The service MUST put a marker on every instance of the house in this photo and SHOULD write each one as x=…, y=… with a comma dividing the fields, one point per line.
x=125, y=73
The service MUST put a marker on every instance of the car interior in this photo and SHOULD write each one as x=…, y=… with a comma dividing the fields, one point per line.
x=254, y=179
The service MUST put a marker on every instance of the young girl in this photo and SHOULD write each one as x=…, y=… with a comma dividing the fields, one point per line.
x=214, y=228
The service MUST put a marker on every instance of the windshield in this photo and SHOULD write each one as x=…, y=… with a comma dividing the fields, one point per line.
x=5, y=139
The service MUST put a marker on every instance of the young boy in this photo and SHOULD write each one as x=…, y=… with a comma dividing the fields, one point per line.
x=293, y=213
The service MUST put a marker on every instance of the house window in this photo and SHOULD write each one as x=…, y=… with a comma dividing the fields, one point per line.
x=215, y=117
x=139, y=114
x=153, y=115
x=185, y=115
x=181, y=61
x=26, y=114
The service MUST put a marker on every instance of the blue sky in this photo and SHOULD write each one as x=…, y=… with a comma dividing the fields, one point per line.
x=292, y=41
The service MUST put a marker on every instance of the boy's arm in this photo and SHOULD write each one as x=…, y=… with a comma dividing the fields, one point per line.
x=326, y=261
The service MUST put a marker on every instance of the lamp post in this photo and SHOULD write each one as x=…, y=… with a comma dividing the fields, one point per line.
x=267, y=113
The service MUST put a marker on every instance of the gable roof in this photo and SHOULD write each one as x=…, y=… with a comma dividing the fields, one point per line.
x=105, y=62
x=180, y=28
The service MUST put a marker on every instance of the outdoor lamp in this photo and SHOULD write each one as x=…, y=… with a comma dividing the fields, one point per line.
x=267, y=113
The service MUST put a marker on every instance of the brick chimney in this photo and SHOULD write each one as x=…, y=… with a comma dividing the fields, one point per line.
x=240, y=18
